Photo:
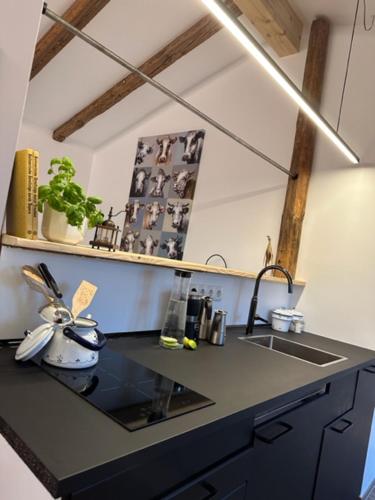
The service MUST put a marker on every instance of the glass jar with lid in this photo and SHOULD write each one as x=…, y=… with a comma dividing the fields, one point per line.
x=173, y=331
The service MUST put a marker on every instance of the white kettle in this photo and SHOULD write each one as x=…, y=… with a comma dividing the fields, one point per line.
x=76, y=345
x=73, y=345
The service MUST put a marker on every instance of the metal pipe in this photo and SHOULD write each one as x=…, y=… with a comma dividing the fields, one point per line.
x=109, y=53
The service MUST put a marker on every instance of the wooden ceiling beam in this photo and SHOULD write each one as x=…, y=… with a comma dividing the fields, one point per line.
x=276, y=21
x=80, y=13
x=303, y=151
x=201, y=31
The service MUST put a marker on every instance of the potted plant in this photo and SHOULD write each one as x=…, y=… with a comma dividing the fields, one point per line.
x=66, y=209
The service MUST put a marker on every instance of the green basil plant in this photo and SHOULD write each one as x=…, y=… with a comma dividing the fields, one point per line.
x=64, y=195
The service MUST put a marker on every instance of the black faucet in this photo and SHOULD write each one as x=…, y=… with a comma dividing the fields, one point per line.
x=254, y=300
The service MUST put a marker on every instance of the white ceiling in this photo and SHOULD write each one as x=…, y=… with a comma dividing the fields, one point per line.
x=136, y=30
x=337, y=11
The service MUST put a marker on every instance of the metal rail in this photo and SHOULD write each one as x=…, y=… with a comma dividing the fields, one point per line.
x=285, y=77
x=109, y=53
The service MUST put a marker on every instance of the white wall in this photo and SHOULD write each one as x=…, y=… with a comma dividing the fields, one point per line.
x=131, y=297
x=34, y=137
x=239, y=197
x=338, y=241
x=19, y=23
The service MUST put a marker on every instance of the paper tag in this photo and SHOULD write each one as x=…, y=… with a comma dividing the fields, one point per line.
x=83, y=297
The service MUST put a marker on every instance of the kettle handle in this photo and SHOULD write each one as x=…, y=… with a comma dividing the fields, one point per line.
x=72, y=335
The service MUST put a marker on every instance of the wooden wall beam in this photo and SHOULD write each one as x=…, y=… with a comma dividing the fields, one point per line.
x=79, y=14
x=201, y=31
x=303, y=152
x=276, y=21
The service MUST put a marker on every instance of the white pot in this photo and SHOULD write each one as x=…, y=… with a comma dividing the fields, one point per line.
x=281, y=320
x=55, y=227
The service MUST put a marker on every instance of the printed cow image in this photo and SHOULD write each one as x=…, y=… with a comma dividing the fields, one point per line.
x=173, y=248
x=152, y=213
x=143, y=150
x=164, y=153
x=139, y=182
x=159, y=181
x=181, y=183
x=193, y=144
x=128, y=241
x=178, y=211
x=148, y=245
x=132, y=212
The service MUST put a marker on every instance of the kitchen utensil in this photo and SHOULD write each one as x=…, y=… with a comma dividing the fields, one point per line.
x=218, y=328
x=205, y=318
x=83, y=297
x=34, y=342
x=55, y=312
x=193, y=311
x=75, y=346
x=49, y=280
x=36, y=282
x=175, y=318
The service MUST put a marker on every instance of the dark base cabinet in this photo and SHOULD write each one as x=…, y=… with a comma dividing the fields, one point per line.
x=212, y=466
x=286, y=449
x=344, y=447
x=312, y=447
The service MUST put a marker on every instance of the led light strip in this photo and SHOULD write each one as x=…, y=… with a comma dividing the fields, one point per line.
x=256, y=50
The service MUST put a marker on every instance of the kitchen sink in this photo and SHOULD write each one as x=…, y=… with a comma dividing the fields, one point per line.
x=294, y=349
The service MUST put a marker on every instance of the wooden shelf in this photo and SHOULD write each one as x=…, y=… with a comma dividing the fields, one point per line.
x=86, y=251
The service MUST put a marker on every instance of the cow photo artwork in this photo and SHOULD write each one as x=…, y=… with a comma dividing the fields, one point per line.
x=161, y=196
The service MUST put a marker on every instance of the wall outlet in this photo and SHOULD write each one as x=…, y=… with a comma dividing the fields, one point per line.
x=201, y=288
x=215, y=292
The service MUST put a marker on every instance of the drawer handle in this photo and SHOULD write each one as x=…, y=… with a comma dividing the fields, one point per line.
x=341, y=426
x=272, y=432
x=211, y=490
x=370, y=369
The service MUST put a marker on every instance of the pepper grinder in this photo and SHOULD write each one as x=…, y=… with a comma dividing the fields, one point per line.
x=218, y=328
x=205, y=319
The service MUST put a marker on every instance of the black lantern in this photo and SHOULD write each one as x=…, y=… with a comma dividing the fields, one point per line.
x=106, y=234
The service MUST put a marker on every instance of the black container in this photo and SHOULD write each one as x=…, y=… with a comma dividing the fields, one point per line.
x=193, y=315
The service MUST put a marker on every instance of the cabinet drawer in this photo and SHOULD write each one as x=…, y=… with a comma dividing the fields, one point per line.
x=228, y=481
x=210, y=490
x=331, y=400
x=180, y=466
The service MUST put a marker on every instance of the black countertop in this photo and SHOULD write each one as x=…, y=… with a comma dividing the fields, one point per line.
x=70, y=445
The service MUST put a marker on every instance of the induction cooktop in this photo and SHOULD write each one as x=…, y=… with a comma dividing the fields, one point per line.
x=127, y=391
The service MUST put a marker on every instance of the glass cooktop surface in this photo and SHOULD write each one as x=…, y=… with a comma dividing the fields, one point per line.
x=127, y=391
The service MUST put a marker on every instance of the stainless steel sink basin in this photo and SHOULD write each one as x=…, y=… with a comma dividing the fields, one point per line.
x=294, y=349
